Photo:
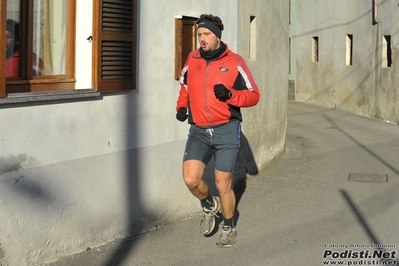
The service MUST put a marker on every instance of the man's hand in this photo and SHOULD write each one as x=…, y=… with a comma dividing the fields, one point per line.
x=181, y=114
x=221, y=92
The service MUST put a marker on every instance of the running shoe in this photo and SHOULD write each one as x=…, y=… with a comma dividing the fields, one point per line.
x=207, y=223
x=227, y=237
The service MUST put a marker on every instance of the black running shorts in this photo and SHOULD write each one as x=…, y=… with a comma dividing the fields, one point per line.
x=221, y=141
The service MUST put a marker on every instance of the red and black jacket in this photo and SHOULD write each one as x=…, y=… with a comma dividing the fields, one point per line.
x=197, y=80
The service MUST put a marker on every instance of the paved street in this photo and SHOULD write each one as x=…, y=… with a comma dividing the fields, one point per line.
x=301, y=209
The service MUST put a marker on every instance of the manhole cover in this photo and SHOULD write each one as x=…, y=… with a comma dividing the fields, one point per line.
x=368, y=178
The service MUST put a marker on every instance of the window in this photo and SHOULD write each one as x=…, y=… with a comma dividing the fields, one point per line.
x=39, y=41
x=252, y=38
x=185, y=41
x=315, y=49
x=375, y=12
x=289, y=56
x=349, y=49
x=114, y=44
x=386, y=51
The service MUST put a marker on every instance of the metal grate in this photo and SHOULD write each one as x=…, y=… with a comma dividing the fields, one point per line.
x=368, y=178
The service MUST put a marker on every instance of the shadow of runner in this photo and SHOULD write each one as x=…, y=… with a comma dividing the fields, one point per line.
x=245, y=164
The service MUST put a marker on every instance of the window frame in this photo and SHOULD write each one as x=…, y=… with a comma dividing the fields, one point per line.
x=27, y=82
x=3, y=17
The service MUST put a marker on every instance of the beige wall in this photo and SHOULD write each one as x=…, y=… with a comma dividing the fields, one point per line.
x=365, y=87
x=265, y=125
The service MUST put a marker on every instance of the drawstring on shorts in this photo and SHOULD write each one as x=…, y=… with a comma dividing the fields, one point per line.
x=210, y=131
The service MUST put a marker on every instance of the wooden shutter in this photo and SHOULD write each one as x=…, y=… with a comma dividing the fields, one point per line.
x=114, y=44
x=185, y=41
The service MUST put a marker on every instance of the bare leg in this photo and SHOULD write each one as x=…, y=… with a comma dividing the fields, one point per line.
x=193, y=172
x=228, y=234
x=227, y=197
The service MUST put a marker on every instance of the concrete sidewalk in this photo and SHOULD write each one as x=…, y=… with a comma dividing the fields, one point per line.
x=301, y=209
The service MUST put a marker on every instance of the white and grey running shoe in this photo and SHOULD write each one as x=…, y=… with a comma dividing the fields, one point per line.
x=207, y=223
x=227, y=237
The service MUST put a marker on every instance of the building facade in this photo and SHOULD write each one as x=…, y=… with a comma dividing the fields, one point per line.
x=90, y=150
x=344, y=55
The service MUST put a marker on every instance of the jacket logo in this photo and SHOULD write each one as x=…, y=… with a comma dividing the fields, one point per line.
x=224, y=69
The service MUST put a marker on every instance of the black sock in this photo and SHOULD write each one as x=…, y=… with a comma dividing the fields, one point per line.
x=229, y=222
x=207, y=202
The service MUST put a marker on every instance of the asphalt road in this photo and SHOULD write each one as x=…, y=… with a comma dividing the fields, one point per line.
x=301, y=210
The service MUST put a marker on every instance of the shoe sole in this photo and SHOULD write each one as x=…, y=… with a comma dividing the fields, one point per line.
x=220, y=245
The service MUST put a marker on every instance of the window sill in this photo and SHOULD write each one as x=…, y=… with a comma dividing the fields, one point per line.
x=29, y=97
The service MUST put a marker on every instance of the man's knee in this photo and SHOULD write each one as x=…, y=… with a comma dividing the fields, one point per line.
x=192, y=173
x=191, y=181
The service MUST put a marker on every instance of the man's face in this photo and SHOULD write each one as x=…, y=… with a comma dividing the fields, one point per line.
x=208, y=40
x=10, y=42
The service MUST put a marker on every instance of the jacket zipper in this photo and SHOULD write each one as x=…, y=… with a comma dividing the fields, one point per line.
x=206, y=93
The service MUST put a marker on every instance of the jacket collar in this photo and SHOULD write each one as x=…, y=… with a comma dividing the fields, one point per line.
x=197, y=53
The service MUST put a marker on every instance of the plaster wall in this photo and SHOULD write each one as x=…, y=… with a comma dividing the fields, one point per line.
x=365, y=86
x=265, y=124
x=78, y=174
